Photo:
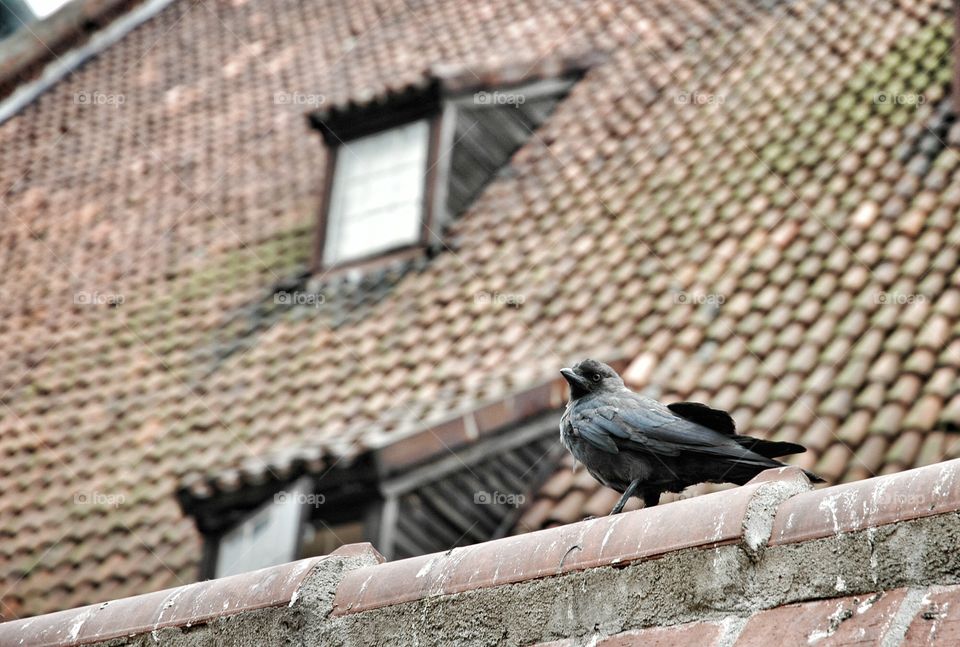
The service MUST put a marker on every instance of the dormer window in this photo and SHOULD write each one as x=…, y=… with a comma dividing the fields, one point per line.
x=407, y=501
x=399, y=169
x=377, y=198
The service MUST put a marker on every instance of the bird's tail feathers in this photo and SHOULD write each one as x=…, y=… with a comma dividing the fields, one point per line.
x=769, y=448
x=743, y=471
x=813, y=477
x=774, y=449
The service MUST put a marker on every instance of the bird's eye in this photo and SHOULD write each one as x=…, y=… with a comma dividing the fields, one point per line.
x=596, y=377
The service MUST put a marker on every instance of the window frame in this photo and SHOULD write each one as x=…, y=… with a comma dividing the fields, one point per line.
x=374, y=493
x=298, y=507
x=431, y=212
x=347, y=495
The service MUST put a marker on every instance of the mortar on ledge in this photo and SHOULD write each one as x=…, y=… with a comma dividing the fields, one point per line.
x=716, y=566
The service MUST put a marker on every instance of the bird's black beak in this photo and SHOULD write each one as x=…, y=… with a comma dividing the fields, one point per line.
x=578, y=386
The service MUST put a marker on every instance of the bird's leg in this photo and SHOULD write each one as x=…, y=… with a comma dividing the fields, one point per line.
x=629, y=492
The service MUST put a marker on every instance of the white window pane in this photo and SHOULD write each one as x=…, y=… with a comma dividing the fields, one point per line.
x=266, y=538
x=43, y=8
x=377, y=198
x=381, y=230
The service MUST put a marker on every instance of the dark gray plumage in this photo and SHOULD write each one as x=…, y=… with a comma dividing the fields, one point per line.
x=643, y=448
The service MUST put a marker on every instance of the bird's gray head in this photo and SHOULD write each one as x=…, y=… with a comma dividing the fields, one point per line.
x=591, y=376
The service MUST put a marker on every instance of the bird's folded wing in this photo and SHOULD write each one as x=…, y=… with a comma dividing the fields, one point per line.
x=646, y=423
x=597, y=436
x=606, y=429
x=647, y=429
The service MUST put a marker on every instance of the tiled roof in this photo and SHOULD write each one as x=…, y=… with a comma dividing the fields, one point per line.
x=25, y=52
x=438, y=438
x=723, y=152
x=814, y=241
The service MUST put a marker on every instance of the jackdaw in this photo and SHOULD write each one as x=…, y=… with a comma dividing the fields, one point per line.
x=643, y=448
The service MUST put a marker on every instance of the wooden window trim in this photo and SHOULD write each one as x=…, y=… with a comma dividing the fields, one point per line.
x=429, y=218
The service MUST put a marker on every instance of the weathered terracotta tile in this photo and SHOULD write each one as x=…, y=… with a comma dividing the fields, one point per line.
x=937, y=622
x=191, y=604
x=913, y=494
x=698, y=633
x=863, y=619
x=617, y=539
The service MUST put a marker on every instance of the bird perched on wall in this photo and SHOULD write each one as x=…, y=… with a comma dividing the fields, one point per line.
x=640, y=447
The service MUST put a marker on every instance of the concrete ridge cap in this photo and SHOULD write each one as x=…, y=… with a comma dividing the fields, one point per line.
x=859, y=505
x=758, y=515
x=183, y=606
x=777, y=507
x=717, y=519
x=774, y=487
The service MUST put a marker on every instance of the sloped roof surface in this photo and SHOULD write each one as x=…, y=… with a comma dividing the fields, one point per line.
x=724, y=151
x=807, y=226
